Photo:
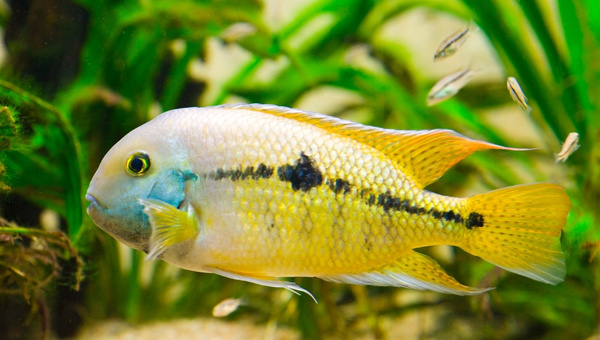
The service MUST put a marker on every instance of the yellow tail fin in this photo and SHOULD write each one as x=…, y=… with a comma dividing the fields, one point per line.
x=518, y=228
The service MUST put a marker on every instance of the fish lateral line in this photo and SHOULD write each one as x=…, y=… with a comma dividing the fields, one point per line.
x=243, y=173
x=304, y=175
x=391, y=203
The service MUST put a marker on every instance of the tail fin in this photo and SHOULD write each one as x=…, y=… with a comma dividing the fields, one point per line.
x=518, y=228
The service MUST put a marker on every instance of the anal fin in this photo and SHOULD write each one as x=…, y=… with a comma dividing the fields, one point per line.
x=413, y=270
x=262, y=280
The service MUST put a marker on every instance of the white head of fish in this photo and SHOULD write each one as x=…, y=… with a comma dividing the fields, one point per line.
x=146, y=163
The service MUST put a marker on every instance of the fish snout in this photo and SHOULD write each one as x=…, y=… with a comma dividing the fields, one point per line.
x=90, y=199
x=94, y=205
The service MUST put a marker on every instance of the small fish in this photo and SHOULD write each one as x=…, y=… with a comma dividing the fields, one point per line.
x=227, y=307
x=238, y=31
x=448, y=86
x=451, y=44
x=570, y=145
x=517, y=94
x=258, y=192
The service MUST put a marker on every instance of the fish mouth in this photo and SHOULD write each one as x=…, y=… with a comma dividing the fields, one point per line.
x=93, y=202
x=90, y=198
x=111, y=221
x=94, y=209
x=94, y=205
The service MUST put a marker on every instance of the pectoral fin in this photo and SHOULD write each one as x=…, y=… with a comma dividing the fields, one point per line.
x=415, y=271
x=263, y=280
x=169, y=225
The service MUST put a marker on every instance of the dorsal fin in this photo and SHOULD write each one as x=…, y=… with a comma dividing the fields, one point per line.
x=423, y=155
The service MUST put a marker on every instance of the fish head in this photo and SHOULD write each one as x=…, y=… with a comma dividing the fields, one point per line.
x=146, y=163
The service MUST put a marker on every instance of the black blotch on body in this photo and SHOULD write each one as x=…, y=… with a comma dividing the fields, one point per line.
x=474, y=220
x=448, y=215
x=303, y=176
x=452, y=216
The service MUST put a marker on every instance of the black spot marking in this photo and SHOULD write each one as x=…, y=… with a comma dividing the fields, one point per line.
x=391, y=203
x=339, y=185
x=452, y=216
x=219, y=174
x=381, y=200
x=247, y=173
x=235, y=175
x=448, y=215
x=262, y=171
x=303, y=176
x=371, y=200
x=404, y=205
x=474, y=220
x=285, y=172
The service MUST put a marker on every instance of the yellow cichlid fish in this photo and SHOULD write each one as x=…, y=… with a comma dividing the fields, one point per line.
x=257, y=192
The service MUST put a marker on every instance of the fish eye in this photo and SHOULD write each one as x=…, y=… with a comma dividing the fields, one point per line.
x=137, y=164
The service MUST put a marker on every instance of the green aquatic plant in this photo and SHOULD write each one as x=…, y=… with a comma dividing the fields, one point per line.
x=8, y=130
x=139, y=58
x=30, y=260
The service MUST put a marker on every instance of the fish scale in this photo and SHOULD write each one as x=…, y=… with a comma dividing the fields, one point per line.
x=341, y=220
x=257, y=192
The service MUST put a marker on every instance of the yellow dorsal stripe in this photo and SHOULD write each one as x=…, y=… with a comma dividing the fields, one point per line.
x=423, y=155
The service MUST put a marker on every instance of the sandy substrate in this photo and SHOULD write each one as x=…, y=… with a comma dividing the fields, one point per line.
x=185, y=329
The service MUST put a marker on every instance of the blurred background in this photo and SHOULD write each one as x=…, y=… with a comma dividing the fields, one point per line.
x=77, y=75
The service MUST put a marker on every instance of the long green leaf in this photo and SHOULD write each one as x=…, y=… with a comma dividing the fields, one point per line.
x=69, y=157
x=558, y=67
x=512, y=43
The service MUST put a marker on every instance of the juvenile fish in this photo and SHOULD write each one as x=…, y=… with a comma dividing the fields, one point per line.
x=570, y=145
x=257, y=192
x=238, y=31
x=448, y=86
x=227, y=307
x=517, y=94
x=451, y=44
